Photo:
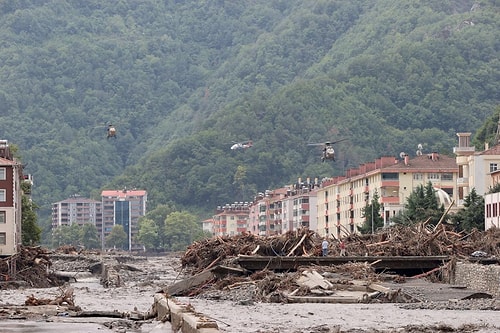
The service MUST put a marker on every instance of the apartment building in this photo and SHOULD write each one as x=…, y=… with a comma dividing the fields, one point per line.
x=11, y=177
x=284, y=209
x=230, y=219
x=265, y=212
x=299, y=206
x=335, y=205
x=123, y=207
x=341, y=200
x=475, y=168
x=77, y=210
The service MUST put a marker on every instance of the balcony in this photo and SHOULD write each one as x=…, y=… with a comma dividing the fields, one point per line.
x=463, y=150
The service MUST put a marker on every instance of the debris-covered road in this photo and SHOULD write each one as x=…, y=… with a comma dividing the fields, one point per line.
x=68, y=288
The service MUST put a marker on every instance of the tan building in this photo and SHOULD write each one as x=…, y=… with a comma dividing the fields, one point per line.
x=230, y=219
x=479, y=171
x=341, y=200
x=265, y=212
x=299, y=206
x=476, y=169
x=11, y=177
x=77, y=210
x=284, y=209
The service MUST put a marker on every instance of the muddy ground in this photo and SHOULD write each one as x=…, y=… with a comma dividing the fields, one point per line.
x=235, y=309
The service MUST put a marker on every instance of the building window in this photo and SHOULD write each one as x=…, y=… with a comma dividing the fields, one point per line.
x=2, y=217
x=418, y=176
x=390, y=176
x=493, y=167
x=3, y=174
x=447, y=177
x=3, y=238
x=433, y=176
x=2, y=196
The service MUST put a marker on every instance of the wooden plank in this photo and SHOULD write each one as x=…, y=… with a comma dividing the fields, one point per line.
x=193, y=281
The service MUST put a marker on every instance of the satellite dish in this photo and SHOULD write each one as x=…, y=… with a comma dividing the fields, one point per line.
x=419, y=149
x=402, y=154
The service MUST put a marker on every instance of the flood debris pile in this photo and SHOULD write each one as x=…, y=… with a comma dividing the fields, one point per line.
x=65, y=297
x=30, y=268
x=207, y=253
x=422, y=239
x=213, y=263
x=347, y=283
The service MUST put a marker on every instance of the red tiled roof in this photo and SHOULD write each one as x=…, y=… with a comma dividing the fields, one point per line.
x=5, y=161
x=495, y=150
x=425, y=162
x=122, y=193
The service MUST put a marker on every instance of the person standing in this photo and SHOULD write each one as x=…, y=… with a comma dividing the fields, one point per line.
x=324, y=247
x=342, y=248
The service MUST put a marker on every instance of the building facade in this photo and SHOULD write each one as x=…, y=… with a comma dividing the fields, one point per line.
x=336, y=205
x=479, y=171
x=123, y=207
x=341, y=200
x=285, y=209
x=231, y=219
x=77, y=210
x=11, y=177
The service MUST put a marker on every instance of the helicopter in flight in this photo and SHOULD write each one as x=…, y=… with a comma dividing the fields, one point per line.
x=242, y=145
x=110, y=129
x=328, y=151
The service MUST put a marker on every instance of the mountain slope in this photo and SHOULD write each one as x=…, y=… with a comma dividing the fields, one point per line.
x=183, y=80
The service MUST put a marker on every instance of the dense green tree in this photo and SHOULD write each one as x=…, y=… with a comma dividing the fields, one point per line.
x=61, y=236
x=90, y=237
x=158, y=216
x=181, y=230
x=488, y=132
x=371, y=214
x=30, y=231
x=29, y=228
x=148, y=234
x=471, y=216
x=117, y=238
x=75, y=234
x=422, y=205
x=182, y=79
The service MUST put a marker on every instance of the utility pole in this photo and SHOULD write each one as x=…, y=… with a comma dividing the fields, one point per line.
x=372, y=218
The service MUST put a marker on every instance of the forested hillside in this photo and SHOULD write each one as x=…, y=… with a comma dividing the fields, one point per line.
x=183, y=80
